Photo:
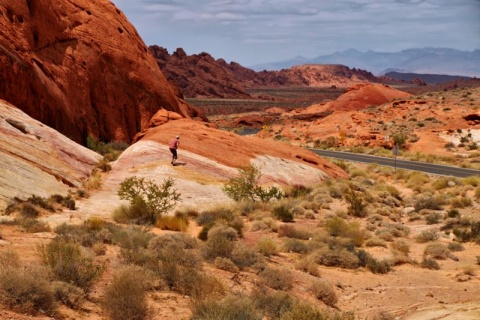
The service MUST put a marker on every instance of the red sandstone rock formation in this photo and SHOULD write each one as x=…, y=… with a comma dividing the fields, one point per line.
x=200, y=75
x=80, y=67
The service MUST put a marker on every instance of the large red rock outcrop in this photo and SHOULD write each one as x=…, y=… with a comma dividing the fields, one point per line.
x=200, y=75
x=80, y=67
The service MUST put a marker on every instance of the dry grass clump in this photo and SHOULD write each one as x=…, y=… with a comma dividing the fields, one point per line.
x=429, y=263
x=415, y=180
x=303, y=311
x=24, y=288
x=68, y=294
x=336, y=257
x=266, y=223
x=290, y=231
x=426, y=236
x=429, y=201
x=338, y=227
x=272, y=304
x=172, y=223
x=225, y=264
x=69, y=263
x=437, y=251
x=126, y=296
x=277, y=278
x=307, y=264
x=401, y=246
x=231, y=308
x=94, y=182
x=93, y=231
x=376, y=242
x=295, y=245
x=461, y=202
x=267, y=247
x=245, y=256
x=324, y=292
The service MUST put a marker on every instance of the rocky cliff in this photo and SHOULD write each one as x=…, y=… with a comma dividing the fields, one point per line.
x=200, y=75
x=80, y=67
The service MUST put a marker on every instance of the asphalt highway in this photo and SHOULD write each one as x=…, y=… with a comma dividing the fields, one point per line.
x=401, y=164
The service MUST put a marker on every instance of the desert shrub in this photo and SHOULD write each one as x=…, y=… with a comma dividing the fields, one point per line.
x=336, y=258
x=375, y=242
x=94, y=230
x=225, y=264
x=94, y=182
x=28, y=210
x=68, y=263
x=246, y=207
x=126, y=296
x=356, y=203
x=307, y=264
x=401, y=246
x=132, y=238
x=428, y=201
x=469, y=233
x=294, y=245
x=208, y=218
x=453, y=213
x=229, y=308
x=272, y=304
x=433, y=217
x=477, y=193
x=24, y=288
x=378, y=266
x=220, y=242
x=417, y=179
x=155, y=200
x=68, y=294
x=41, y=202
x=426, y=236
x=460, y=202
x=267, y=247
x=472, y=181
x=172, y=223
x=297, y=191
x=293, y=232
x=437, y=251
x=324, y=292
x=244, y=256
x=337, y=226
x=304, y=311
x=32, y=225
x=455, y=246
x=283, y=213
x=429, y=263
x=277, y=278
x=245, y=186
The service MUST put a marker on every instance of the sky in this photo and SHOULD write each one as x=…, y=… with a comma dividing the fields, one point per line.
x=260, y=31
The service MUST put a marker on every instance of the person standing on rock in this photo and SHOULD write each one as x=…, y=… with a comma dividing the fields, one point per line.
x=173, y=145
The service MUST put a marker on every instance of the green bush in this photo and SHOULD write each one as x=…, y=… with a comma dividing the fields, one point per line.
x=356, y=203
x=155, y=199
x=126, y=296
x=245, y=186
x=68, y=263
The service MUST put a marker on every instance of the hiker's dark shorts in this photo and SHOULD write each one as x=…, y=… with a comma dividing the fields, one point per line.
x=174, y=152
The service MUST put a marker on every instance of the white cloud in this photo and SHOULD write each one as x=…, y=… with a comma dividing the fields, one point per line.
x=256, y=30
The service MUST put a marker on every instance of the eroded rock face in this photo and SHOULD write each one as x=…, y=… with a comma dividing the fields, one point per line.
x=36, y=159
x=80, y=67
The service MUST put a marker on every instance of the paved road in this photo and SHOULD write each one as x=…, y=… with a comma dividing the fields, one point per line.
x=402, y=164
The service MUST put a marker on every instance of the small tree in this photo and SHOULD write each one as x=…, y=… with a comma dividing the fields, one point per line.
x=245, y=186
x=399, y=138
x=156, y=199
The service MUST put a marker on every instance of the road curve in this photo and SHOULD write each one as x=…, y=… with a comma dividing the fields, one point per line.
x=402, y=164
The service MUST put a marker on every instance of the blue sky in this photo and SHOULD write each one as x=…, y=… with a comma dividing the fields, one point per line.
x=259, y=31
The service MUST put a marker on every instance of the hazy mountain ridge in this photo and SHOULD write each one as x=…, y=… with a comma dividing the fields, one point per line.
x=419, y=60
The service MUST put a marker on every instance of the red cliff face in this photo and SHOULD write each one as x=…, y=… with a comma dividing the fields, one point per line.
x=81, y=68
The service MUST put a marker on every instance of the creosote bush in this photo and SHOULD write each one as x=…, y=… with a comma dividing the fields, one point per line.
x=246, y=186
x=148, y=200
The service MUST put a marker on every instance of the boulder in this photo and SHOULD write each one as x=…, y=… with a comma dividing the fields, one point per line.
x=80, y=67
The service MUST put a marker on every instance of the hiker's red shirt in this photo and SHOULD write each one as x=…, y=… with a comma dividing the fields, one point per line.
x=174, y=144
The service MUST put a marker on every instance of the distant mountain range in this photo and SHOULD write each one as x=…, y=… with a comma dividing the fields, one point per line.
x=422, y=60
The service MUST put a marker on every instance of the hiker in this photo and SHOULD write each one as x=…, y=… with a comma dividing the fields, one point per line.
x=173, y=145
